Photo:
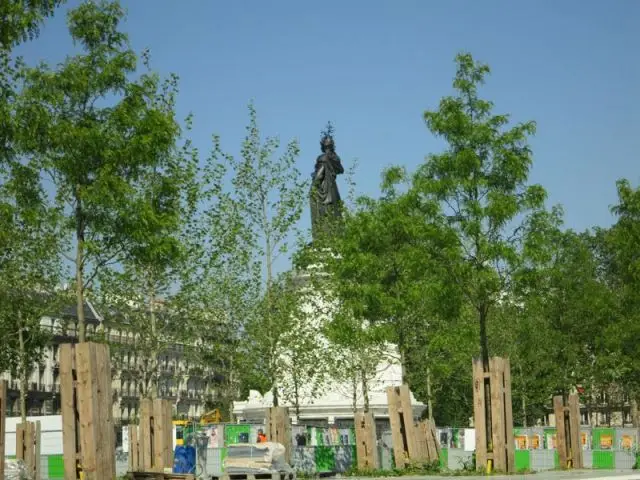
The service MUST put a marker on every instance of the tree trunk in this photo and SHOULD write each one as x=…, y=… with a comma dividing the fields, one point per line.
x=354, y=399
x=365, y=390
x=155, y=364
x=23, y=373
x=523, y=400
x=276, y=400
x=484, y=341
x=403, y=371
x=80, y=230
x=635, y=414
x=429, y=396
x=296, y=395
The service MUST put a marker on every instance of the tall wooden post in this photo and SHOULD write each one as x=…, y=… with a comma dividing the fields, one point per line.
x=28, y=447
x=568, y=431
x=366, y=441
x=279, y=429
x=3, y=431
x=493, y=413
x=87, y=414
x=403, y=431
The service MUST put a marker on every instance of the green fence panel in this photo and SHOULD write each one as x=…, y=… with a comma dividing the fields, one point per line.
x=319, y=437
x=325, y=459
x=603, y=460
x=232, y=433
x=444, y=458
x=603, y=443
x=522, y=460
x=55, y=465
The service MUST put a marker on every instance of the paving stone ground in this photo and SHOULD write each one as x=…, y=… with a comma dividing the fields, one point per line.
x=553, y=475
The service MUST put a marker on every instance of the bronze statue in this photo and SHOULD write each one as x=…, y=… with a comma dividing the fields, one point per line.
x=324, y=195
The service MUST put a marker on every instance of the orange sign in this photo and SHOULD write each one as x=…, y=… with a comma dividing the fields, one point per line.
x=606, y=441
x=627, y=442
x=535, y=442
x=522, y=442
x=584, y=440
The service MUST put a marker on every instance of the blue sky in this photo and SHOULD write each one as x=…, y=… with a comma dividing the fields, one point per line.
x=372, y=67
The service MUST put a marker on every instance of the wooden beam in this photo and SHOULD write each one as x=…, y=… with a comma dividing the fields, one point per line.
x=574, y=425
x=134, y=453
x=366, y=442
x=508, y=418
x=496, y=370
x=104, y=400
x=397, y=434
x=69, y=411
x=88, y=407
x=408, y=423
x=169, y=433
x=3, y=414
x=37, y=438
x=561, y=433
x=145, y=435
x=279, y=429
x=479, y=414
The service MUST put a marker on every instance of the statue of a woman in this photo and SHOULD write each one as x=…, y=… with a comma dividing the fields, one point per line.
x=324, y=195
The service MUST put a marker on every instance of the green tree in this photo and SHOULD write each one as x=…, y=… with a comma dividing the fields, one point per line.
x=384, y=284
x=21, y=20
x=264, y=207
x=163, y=200
x=480, y=183
x=97, y=131
x=31, y=271
x=621, y=269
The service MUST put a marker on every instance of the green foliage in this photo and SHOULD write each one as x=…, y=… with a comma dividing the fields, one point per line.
x=250, y=206
x=21, y=19
x=98, y=132
x=31, y=270
x=480, y=184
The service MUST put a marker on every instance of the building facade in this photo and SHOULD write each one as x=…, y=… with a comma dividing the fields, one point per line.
x=178, y=381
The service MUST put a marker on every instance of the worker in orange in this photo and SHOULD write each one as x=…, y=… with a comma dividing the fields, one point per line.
x=261, y=436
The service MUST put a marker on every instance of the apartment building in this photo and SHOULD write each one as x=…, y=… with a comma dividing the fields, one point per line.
x=184, y=384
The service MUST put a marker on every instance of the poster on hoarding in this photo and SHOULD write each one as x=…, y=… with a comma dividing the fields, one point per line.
x=584, y=440
x=606, y=441
x=626, y=442
x=522, y=442
x=535, y=442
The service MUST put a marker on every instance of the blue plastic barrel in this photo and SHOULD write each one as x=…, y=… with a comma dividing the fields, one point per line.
x=184, y=459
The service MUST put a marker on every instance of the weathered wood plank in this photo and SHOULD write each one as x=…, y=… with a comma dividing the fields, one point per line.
x=496, y=369
x=279, y=429
x=399, y=446
x=561, y=433
x=409, y=429
x=3, y=415
x=69, y=411
x=508, y=418
x=574, y=427
x=20, y=442
x=106, y=459
x=36, y=449
x=159, y=454
x=145, y=435
x=366, y=446
x=169, y=433
x=133, y=448
x=479, y=416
